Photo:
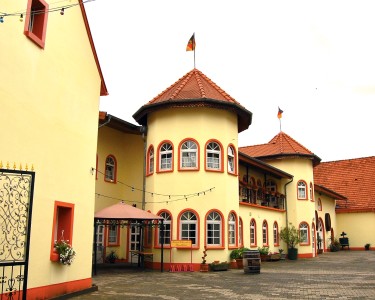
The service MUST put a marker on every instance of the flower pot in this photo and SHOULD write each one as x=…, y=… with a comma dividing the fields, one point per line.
x=292, y=253
x=204, y=268
x=239, y=262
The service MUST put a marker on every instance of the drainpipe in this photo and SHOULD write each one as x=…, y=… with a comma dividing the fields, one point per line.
x=143, y=130
x=286, y=204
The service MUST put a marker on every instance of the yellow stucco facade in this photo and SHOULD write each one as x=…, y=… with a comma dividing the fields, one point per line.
x=49, y=102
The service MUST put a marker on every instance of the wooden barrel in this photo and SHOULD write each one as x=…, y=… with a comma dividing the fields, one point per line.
x=251, y=261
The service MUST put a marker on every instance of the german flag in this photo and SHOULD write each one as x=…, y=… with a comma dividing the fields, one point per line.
x=191, y=44
x=279, y=113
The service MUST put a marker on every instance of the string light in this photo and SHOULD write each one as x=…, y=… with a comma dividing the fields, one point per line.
x=180, y=196
x=61, y=9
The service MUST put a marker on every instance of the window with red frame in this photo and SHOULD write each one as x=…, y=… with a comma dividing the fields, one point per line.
x=110, y=169
x=253, y=229
x=304, y=233
x=275, y=234
x=265, y=233
x=213, y=156
x=62, y=229
x=150, y=160
x=232, y=229
x=36, y=21
x=231, y=160
x=301, y=190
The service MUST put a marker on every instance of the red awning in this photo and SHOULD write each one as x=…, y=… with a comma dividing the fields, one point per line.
x=122, y=211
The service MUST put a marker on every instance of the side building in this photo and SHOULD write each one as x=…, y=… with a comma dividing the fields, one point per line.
x=49, y=94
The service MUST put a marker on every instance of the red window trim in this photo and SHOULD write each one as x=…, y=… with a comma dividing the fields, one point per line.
x=235, y=245
x=308, y=234
x=179, y=156
x=307, y=191
x=221, y=163
x=267, y=234
x=107, y=237
x=198, y=226
x=148, y=173
x=255, y=233
x=277, y=232
x=38, y=40
x=157, y=232
x=64, y=221
x=221, y=246
x=240, y=232
x=235, y=173
x=115, y=167
x=158, y=170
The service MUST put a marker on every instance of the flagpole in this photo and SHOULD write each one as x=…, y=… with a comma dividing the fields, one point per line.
x=194, y=57
x=280, y=124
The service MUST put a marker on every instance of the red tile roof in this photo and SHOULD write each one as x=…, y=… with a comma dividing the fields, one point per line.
x=195, y=89
x=281, y=145
x=353, y=178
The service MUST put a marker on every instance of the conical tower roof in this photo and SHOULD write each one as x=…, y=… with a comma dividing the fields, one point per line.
x=195, y=89
x=281, y=145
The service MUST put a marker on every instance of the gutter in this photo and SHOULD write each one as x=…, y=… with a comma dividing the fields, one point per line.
x=286, y=202
x=105, y=123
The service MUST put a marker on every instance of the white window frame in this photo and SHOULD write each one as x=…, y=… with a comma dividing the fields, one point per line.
x=275, y=233
x=231, y=160
x=253, y=226
x=167, y=228
x=113, y=235
x=265, y=232
x=166, y=157
x=189, y=227
x=110, y=168
x=189, y=155
x=213, y=229
x=213, y=156
x=304, y=233
x=301, y=190
x=232, y=229
x=151, y=160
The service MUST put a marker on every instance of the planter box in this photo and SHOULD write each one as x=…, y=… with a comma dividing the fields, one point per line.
x=219, y=267
x=275, y=257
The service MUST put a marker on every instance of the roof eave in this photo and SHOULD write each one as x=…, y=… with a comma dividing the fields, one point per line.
x=244, y=115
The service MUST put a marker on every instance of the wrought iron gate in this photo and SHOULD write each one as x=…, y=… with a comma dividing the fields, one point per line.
x=16, y=198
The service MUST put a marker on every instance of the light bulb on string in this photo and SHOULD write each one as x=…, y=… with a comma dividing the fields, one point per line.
x=21, y=18
x=1, y=19
x=62, y=11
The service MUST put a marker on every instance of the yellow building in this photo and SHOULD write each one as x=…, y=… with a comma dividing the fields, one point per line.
x=183, y=163
x=49, y=94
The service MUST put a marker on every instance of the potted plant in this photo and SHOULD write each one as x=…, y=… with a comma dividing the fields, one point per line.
x=111, y=257
x=290, y=235
x=335, y=245
x=65, y=251
x=282, y=254
x=264, y=253
x=204, y=265
x=367, y=246
x=219, y=266
x=237, y=254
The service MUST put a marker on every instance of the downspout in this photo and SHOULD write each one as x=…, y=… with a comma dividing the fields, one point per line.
x=143, y=130
x=286, y=203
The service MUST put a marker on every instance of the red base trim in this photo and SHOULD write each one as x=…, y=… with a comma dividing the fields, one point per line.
x=54, y=290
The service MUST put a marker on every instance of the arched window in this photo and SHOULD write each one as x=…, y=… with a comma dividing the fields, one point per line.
x=240, y=233
x=232, y=229
x=275, y=234
x=253, y=230
x=265, y=232
x=213, y=156
x=231, y=160
x=166, y=157
x=213, y=229
x=311, y=192
x=189, y=227
x=167, y=229
x=301, y=192
x=110, y=169
x=319, y=204
x=304, y=233
x=150, y=160
x=189, y=155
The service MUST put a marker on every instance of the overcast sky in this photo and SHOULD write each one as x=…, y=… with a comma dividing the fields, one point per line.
x=313, y=59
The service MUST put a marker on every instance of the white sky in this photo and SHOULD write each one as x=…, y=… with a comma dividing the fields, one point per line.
x=314, y=59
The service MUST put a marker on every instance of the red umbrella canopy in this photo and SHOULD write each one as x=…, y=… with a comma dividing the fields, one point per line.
x=122, y=211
